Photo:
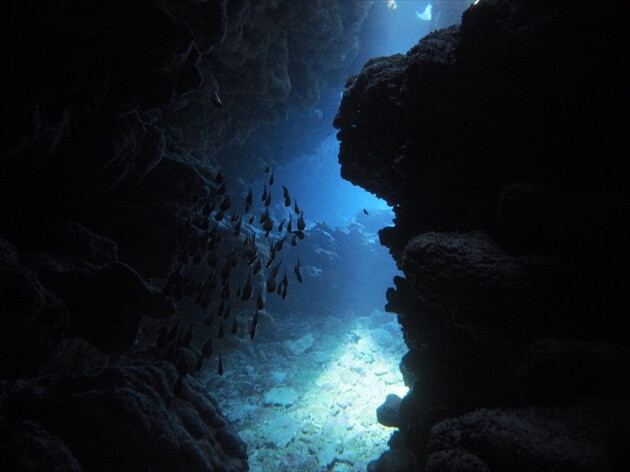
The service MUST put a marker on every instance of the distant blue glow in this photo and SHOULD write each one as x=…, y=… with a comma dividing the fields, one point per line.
x=321, y=192
x=426, y=14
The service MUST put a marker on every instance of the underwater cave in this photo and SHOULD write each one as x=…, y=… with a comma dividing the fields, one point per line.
x=314, y=235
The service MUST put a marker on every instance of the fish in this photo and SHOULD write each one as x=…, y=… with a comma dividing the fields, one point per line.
x=279, y=289
x=252, y=332
x=207, y=348
x=187, y=337
x=268, y=200
x=285, y=279
x=234, y=327
x=301, y=224
x=199, y=363
x=296, y=207
x=209, y=319
x=237, y=228
x=226, y=203
x=284, y=291
x=297, y=271
x=267, y=169
x=220, y=333
x=268, y=226
x=257, y=266
x=271, y=284
x=247, y=290
x=294, y=240
x=255, y=319
x=280, y=243
x=218, y=216
x=299, y=234
x=365, y=212
x=226, y=312
x=220, y=368
x=220, y=309
x=271, y=179
x=290, y=225
x=216, y=100
x=281, y=225
x=251, y=220
x=274, y=271
x=222, y=189
x=249, y=198
x=235, y=217
x=265, y=216
x=218, y=179
x=238, y=290
x=285, y=193
x=260, y=303
x=225, y=292
x=264, y=194
x=178, y=386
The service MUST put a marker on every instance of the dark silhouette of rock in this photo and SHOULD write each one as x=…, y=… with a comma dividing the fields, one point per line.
x=388, y=413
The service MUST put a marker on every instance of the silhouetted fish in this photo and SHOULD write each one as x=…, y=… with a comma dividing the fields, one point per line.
x=267, y=169
x=257, y=266
x=268, y=226
x=220, y=369
x=226, y=312
x=208, y=320
x=294, y=240
x=222, y=189
x=220, y=333
x=208, y=208
x=268, y=200
x=226, y=203
x=284, y=291
x=216, y=100
x=237, y=228
x=234, y=327
x=208, y=347
x=299, y=234
x=218, y=179
x=235, y=217
x=187, y=337
x=296, y=208
x=290, y=225
x=225, y=292
x=255, y=319
x=249, y=198
x=252, y=332
x=300, y=223
x=274, y=271
x=285, y=193
x=264, y=216
x=247, y=290
x=271, y=284
x=297, y=271
x=280, y=243
x=281, y=225
x=199, y=363
x=251, y=220
x=264, y=194
x=271, y=179
x=181, y=365
x=218, y=216
x=365, y=211
x=260, y=303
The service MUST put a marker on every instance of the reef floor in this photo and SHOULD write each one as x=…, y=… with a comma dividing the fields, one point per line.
x=304, y=394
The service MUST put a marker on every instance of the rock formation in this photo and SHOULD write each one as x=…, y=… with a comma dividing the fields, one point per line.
x=501, y=146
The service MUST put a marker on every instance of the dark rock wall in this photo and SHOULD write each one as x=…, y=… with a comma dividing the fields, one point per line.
x=110, y=140
x=501, y=144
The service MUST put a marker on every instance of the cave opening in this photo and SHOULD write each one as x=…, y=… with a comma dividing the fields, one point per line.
x=307, y=236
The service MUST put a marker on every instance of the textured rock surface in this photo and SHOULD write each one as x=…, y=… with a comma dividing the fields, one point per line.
x=110, y=141
x=142, y=426
x=503, y=161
